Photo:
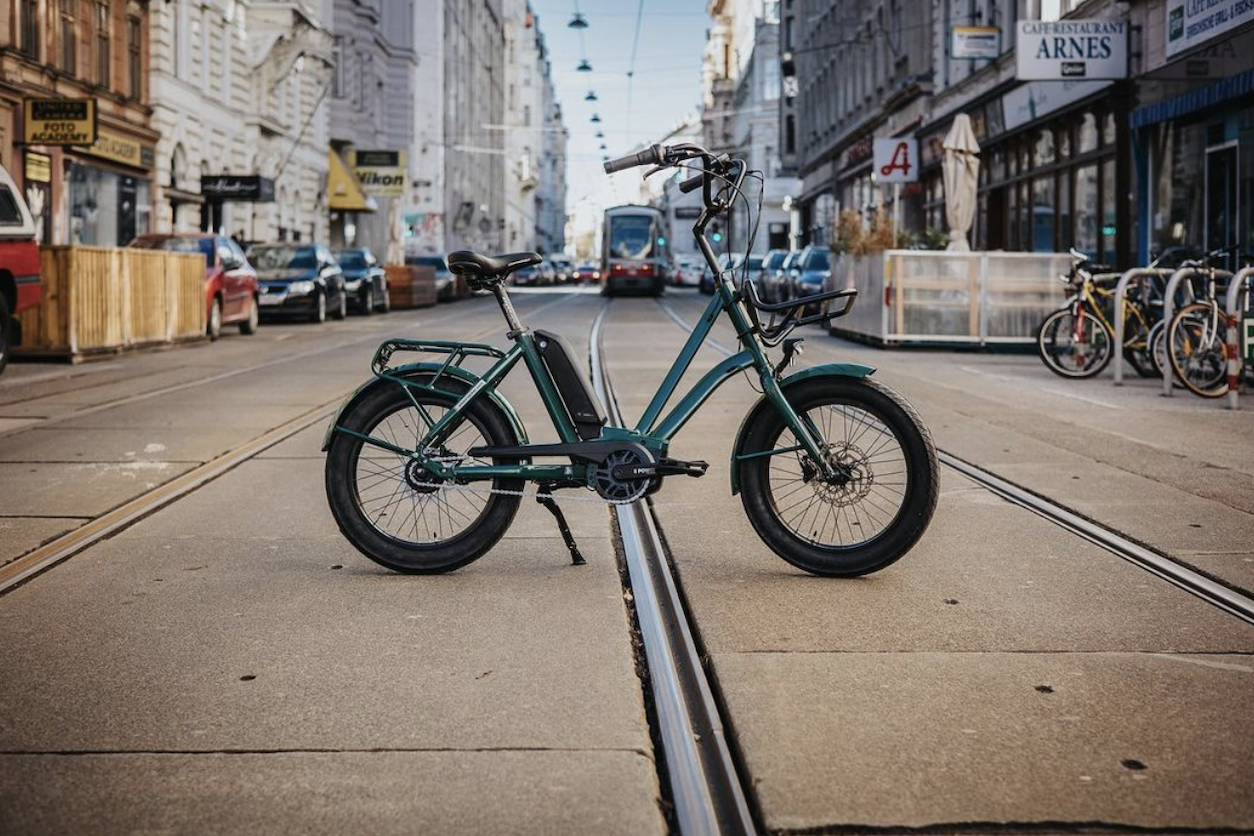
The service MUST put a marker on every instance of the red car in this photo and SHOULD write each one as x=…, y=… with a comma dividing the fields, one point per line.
x=20, y=287
x=230, y=281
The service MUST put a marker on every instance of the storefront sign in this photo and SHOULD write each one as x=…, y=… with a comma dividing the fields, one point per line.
x=1191, y=22
x=860, y=151
x=975, y=42
x=38, y=168
x=120, y=149
x=1029, y=102
x=896, y=160
x=1070, y=49
x=59, y=121
x=240, y=188
x=380, y=173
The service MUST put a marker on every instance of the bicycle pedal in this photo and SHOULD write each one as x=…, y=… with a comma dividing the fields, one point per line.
x=675, y=467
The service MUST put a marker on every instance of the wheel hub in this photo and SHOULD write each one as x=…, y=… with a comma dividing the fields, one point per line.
x=852, y=476
x=419, y=479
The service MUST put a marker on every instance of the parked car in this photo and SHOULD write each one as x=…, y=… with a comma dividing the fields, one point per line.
x=527, y=277
x=561, y=268
x=787, y=275
x=20, y=285
x=734, y=263
x=771, y=276
x=231, y=289
x=301, y=281
x=814, y=267
x=365, y=281
x=688, y=271
x=587, y=273
x=444, y=286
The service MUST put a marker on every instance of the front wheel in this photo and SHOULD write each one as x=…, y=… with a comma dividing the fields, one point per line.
x=1074, y=343
x=342, y=310
x=249, y=326
x=880, y=502
x=1197, y=346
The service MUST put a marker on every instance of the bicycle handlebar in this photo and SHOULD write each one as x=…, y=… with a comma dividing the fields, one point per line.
x=653, y=155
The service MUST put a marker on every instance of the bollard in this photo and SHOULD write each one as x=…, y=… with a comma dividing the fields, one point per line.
x=1232, y=306
x=1121, y=295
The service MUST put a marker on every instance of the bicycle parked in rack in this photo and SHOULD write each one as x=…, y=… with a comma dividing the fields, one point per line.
x=1197, y=337
x=426, y=463
x=1077, y=340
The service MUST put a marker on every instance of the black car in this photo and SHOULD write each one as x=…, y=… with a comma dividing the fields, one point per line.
x=365, y=281
x=299, y=281
x=527, y=277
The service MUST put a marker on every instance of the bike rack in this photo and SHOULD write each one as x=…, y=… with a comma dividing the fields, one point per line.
x=1121, y=294
x=1169, y=309
x=1236, y=286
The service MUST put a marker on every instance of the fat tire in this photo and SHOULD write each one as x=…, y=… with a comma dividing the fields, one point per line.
x=1048, y=359
x=412, y=558
x=912, y=518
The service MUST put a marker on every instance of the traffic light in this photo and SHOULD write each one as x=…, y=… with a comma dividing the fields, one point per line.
x=661, y=241
x=716, y=232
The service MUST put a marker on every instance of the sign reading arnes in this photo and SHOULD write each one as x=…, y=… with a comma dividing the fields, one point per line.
x=1071, y=49
x=1191, y=22
x=59, y=121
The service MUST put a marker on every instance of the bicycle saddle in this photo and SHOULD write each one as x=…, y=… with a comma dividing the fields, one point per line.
x=472, y=265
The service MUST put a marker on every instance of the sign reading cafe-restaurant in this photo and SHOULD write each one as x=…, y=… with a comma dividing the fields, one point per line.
x=1072, y=49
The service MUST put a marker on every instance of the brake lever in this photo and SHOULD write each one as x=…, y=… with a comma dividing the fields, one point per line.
x=655, y=170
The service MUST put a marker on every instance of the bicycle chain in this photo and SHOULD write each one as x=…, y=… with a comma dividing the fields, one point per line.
x=595, y=500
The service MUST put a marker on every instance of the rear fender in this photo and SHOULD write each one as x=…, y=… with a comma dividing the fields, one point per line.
x=855, y=370
x=436, y=370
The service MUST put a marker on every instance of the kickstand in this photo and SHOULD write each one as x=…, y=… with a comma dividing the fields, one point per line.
x=545, y=498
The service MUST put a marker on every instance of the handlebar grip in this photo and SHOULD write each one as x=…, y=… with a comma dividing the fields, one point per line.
x=692, y=183
x=653, y=155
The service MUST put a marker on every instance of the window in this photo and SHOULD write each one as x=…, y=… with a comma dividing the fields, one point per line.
x=134, y=57
x=10, y=214
x=69, y=51
x=790, y=134
x=337, y=67
x=30, y=28
x=103, y=53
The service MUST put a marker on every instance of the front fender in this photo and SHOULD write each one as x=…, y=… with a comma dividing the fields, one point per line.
x=418, y=369
x=825, y=370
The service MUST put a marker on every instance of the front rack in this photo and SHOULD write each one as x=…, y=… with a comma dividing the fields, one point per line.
x=791, y=314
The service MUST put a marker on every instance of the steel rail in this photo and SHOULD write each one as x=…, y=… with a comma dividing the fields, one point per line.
x=706, y=790
x=1229, y=600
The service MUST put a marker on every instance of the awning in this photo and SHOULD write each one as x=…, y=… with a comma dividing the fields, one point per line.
x=181, y=196
x=1200, y=98
x=344, y=193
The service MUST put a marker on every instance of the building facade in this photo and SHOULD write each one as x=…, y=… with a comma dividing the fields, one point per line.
x=75, y=49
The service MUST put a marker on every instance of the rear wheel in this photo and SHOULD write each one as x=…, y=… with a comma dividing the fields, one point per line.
x=1074, y=343
x=1197, y=347
x=396, y=512
x=214, y=326
x=882, y=499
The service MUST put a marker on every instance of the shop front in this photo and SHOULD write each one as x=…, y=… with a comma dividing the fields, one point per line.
x=1194, y=142
x=1049, y=171
x=109, y=190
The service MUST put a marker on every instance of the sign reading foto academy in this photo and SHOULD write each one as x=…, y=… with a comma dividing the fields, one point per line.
x=1072, y=49
x=59, y=121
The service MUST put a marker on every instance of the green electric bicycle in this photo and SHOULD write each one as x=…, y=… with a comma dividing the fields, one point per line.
x=427, y=462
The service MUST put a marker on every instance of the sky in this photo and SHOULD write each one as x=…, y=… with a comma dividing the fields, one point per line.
x=664, y=88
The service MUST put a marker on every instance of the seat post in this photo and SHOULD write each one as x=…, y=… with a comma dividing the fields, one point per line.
x=507, y=307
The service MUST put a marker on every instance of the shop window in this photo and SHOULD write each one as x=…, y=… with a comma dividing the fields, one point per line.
x=69, y=51
x=30, y=28
x=1086, y=139
x=1063, y=148
x=134, y=57
x=1084, y=230
x=1108, y=230
x=1062, y=227
x=1108, y=129
x=1044, y=214
x=103, y=53
x=1043, y=147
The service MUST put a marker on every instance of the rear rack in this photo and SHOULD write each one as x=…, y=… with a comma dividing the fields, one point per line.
x=456, y=353
x=790, y=313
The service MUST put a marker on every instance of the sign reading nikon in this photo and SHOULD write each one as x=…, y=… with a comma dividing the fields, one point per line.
x=1072, y=49
x=59, y=121
x=380, y=173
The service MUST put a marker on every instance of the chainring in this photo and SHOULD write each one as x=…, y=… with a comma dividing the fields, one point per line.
x=613, y=489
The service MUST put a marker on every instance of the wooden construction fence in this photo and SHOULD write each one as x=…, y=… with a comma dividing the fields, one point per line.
x=412, y=285
x=102, y=300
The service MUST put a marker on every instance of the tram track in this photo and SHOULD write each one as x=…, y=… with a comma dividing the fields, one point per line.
x=1225, y=598
x=706, y=788
x=39, y=560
